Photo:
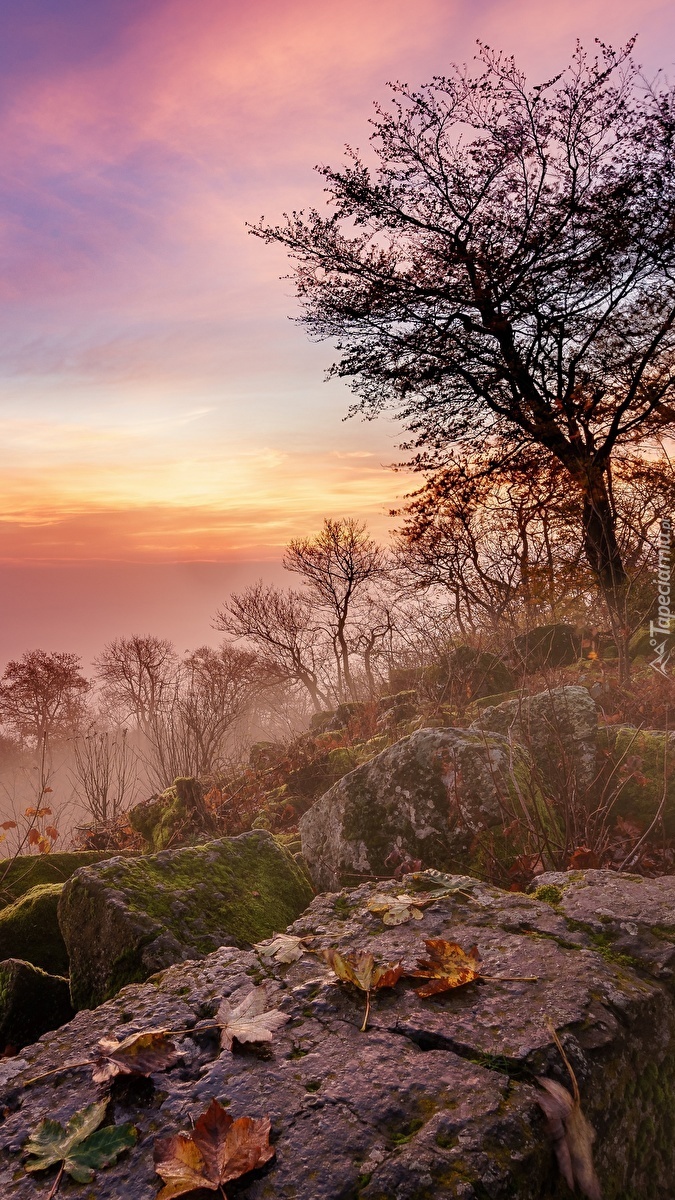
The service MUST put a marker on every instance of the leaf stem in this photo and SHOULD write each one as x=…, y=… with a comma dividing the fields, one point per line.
x=88, y=1062
x=57, y=1181
x=365, y=1019
x=511, y=978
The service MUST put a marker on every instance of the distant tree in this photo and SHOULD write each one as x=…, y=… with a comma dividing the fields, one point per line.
x=212, y=691
x=104, y=772
x=505, y=275
x=42, y=696
x=338, y=566
x=280, y=624
x=137, y=677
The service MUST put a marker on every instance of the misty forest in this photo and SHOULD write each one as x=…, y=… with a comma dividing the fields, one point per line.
x=373, y=896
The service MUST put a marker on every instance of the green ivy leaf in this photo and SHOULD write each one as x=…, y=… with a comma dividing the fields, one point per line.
x=80, y=1145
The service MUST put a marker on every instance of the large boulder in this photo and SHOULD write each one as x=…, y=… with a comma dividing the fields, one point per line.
x=26, y=871
x=29, y=929
x=426, y=797
x=127, y=918
x=176, y=815
x=437, y=1098
x=31, y=1003
x=559, y=728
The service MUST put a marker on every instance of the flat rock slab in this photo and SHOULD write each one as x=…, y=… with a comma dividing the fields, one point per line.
x=435, y=1100
x=124, y=919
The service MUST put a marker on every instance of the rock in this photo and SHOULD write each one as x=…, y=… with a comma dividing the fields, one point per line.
x=637, y=758
x=556, y=645
x=27, y=871
x=264, y=755
x=427, y=797
x=435, y=1101
x=127, y=918
x=31, y=1003
x=559, y=727
x=175, y=816
x=29, y=930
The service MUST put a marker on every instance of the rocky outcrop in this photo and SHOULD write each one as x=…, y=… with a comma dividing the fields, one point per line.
x=425, y=797
x=31, y=1003
x=559, y=727
x=29, y=929
x=556, y=645
x=127, y=918
x=175, y=816
x=437, y=1098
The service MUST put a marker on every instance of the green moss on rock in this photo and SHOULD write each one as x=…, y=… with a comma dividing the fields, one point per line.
x=31, y=1003
x=126, y=919
x=639, y=756
x=29, y=930
x=29, y=870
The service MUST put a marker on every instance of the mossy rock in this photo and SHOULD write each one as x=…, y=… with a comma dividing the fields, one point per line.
x=29, y=929
x=556, y=645
x=638, y=756
x=436, y=795
x=31, y=1003
x=128, y=918
x=30, y=870
x=178, y=815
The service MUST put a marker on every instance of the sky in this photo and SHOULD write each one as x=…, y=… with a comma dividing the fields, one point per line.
x=165, y=427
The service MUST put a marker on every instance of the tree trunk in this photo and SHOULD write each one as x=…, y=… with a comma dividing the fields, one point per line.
x=604, y=557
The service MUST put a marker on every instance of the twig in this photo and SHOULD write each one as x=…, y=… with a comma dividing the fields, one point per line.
x=55, y=1186
x=575, y=1086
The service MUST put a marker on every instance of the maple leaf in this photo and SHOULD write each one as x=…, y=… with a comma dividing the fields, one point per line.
x=139, y=1054
x=218, y=1150
x=250, y=1020
x=364, y=973
x=396, y=910
x=283, y=948
x=447, y=967
x=79, y=1146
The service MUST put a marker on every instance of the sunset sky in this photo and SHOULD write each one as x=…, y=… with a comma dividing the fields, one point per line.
x=165, y=427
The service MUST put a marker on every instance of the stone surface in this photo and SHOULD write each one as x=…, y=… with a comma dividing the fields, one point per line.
x=127, y=918
x=638, y=756
x=559, y=727
x=29, y=929
x=31, y=1003
x=436, y=1100
x=426, y=796
x=20, y=874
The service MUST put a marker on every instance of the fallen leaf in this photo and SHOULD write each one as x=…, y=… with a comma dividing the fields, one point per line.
x=447, y=967
x=396, y=910
x=436, y=884
x=364, y=973
x=283, y=948
x=139, y=1054
x=571, y=1131
x=79, y=1146
x=218, y=1150
x=250, y=1020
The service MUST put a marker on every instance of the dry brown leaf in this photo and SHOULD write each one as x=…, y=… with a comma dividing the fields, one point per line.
x=218, y=1150
x=397, y=910
x=283, y=948
x=447, y=967
x=364, y=973
x=139, y=1054
x=571, y=1131
x=249, y=1020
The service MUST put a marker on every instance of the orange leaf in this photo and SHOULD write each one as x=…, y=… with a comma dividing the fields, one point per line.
x=8, y=825
x=447, y=967
x=33, y=837
x=218, y=1150
x=51, y=832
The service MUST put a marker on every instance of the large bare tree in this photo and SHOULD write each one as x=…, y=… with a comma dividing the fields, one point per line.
x=504, y=273
x=137, y=676
x=42, y=696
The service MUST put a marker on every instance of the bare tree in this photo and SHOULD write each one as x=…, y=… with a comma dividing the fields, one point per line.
x=507, y=272
x=280, y=624
x=137, y=677
x=338, y=566
x=42, y=696
x=212, y=691
x=105, y=773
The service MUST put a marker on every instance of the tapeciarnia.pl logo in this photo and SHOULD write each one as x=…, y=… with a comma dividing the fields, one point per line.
x=659, y=629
